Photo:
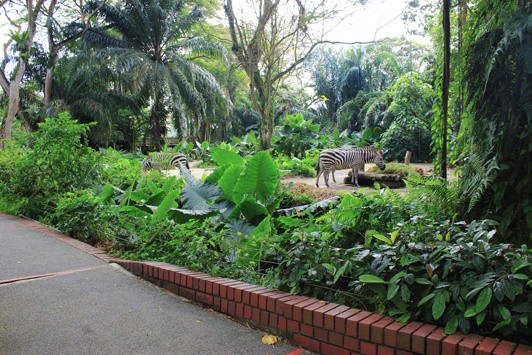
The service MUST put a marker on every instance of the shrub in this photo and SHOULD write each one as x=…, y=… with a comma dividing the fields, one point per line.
x=82, y=216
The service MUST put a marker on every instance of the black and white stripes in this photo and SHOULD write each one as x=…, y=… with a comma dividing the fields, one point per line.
x=166, y=161
x=354, y=159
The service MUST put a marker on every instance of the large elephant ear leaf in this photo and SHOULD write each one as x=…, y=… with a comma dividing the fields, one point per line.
x=200, y=196
x=226, y=157
x=216, y=174
x=260, y=179
x=228, y=181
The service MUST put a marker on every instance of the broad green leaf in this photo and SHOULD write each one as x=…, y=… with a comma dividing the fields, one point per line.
x=452, y=324
x=394, y=235
x=228, y=181
x=484, y=299
x=480, y=318
x=165, y=205
x=470, y=312
x=392, y=291
x=107, y=192
x=341, y=271
x=371, y=279
x=264, y=228
x=139, y=196
x=216, y=175
x=169, y=184
x=260, y=179
x=397, y=276
x=423, y=281
x=505, y=312
x=426, y=299
x=501, y=324
x=226, y=157
x=438, y=307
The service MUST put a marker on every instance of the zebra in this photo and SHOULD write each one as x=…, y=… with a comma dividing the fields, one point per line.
x=160, y=160
x=341, y=158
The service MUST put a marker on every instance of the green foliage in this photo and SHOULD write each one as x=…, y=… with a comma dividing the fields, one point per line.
x=300, y=167
x=57, y=163
x=296, y=136
x=81, y=215
x=396, y=168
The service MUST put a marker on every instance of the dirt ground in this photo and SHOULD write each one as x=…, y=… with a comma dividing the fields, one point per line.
x=298, y=181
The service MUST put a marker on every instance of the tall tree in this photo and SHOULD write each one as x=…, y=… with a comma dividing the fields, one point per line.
x=12, y=86
x=445, y=83
x=153, y=44
x=272, y=45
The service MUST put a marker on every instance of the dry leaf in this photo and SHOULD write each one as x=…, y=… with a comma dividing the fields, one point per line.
x=269, y=339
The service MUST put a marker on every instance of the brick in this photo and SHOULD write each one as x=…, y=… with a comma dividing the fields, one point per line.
x=486, y=346
x=450, y=344
x=336, y=339
x=224, y=305
x=390, y=333
x=255, y=315
x=307, y=330
x=255, y=296
x=231, y=308
x=321, y=334
x=247, y=312
x=404, y=335
x=217, y=303
x=308, y=311
x=306, y=342
x=272, y=300
x=171, y=287
x=263, y=299
x=224, y=287
x=319, y=314
x=351, y=343
x=329, y=317
x=246, y=294
x=204, y=298
x=434, y=341
x=297, y=309
x=187, y=293
x=384, y=350
x=239, y=292
x=402, y=352
x=377, y=330
x=364, y=327
x=292, y=325
x=264, y=318
x=280, y=303
x=231, y=290
x=468, y=344
x=351, y=325
x=419, y=338
x=368, y=348
x=340, y=319
x=273, y=321
x=288, y=305
x=522, y=350
x=239, y=310
x=504, y=348
x=281, y=324
x=329, y=349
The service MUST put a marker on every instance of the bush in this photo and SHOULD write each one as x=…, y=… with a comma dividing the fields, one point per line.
x=82, y=216
x=396, y=168
x=57, y=163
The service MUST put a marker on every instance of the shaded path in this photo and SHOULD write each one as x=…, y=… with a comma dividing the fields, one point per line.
x=55, y=298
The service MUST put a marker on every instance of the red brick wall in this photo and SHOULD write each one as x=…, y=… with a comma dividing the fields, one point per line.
x=323, y=327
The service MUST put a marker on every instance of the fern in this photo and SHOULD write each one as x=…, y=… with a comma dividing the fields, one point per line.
x=477, y=177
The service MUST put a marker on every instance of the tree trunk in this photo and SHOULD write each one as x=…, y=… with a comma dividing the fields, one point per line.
x=14, y=85
x=445, y=83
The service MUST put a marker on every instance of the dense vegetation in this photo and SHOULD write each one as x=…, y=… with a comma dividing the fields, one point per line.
x=113, y=79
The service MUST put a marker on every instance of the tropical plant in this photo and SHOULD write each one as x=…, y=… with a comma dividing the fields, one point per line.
x=150, y=42
x=296, y=136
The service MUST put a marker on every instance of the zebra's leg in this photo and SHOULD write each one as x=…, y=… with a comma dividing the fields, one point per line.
x=355, y=175
x=332, y=171
x=326, y=175
x=320, y=171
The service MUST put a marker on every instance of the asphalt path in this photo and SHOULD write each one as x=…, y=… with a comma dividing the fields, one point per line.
x=56, y=299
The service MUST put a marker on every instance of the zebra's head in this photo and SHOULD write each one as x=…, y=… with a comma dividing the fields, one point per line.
x=378, y=160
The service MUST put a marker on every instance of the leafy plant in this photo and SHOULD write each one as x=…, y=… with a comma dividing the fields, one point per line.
x=296, y=136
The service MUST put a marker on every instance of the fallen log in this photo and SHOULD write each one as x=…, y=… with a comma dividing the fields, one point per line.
x=393, y=181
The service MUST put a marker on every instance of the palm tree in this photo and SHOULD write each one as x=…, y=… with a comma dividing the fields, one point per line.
x=152, y=45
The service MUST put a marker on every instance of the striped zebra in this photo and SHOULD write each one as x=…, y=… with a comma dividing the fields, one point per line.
x=354, y=159
x=165, y=160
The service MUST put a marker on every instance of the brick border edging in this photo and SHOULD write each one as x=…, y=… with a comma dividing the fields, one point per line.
x=320, y=326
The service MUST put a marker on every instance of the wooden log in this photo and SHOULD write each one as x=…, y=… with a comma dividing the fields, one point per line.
x=393, y=181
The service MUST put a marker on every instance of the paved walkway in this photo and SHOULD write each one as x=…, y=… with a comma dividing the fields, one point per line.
x=56, y=299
